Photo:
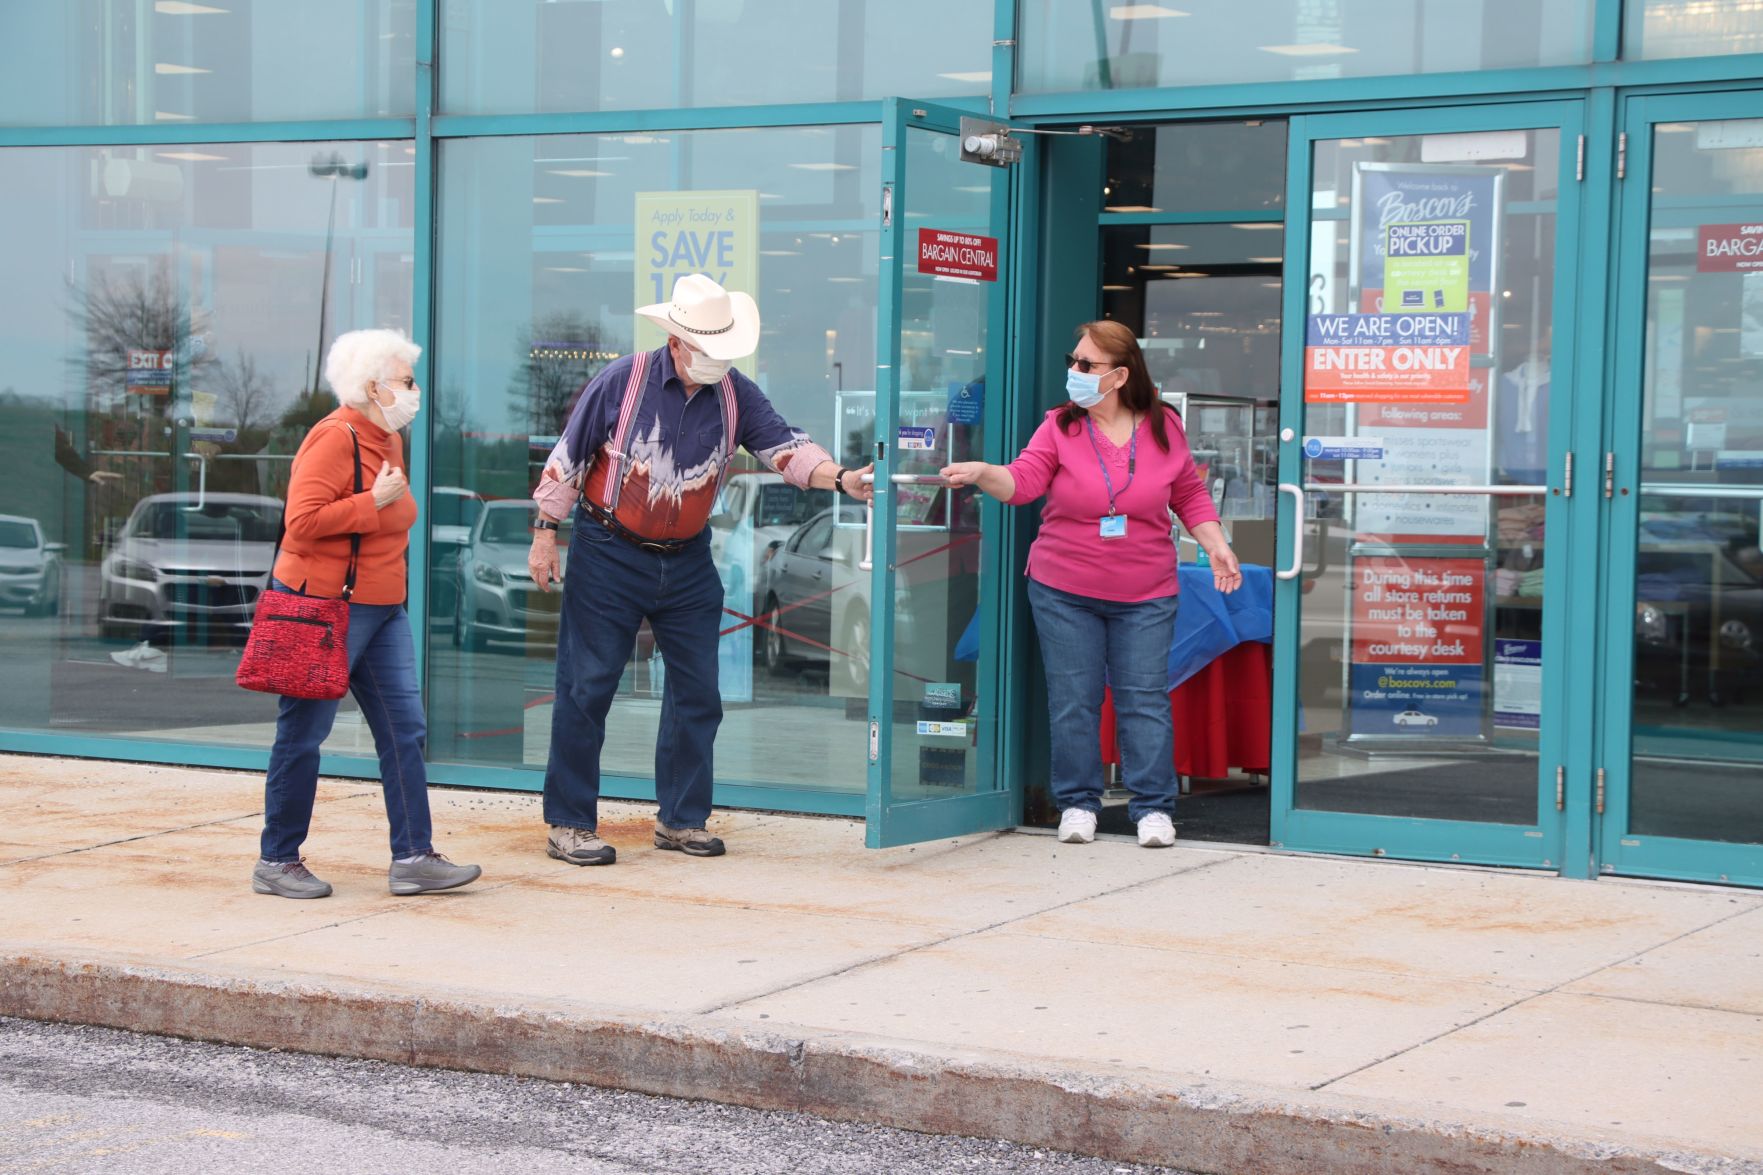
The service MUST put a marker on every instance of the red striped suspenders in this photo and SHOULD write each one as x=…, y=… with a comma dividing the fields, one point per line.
x=619, y=449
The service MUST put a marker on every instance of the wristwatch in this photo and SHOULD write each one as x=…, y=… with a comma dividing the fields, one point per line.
x=543, y=523
x=839, y=480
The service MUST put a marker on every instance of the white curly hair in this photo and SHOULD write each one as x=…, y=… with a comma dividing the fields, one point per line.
x=359, y=357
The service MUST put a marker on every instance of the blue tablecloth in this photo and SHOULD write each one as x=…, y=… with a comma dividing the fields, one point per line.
x=1207, y=624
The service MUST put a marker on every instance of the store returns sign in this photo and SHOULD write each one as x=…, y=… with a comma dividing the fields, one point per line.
x=951, y=254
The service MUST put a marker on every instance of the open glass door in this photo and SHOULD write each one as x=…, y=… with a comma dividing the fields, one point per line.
x=932, y=674
x=1420, y=668
x=1680, y=778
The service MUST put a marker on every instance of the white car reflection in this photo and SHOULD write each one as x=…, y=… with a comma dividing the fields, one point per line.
x=30, y=569
x=1414, y=718
x=495, y=596
x=186, y=563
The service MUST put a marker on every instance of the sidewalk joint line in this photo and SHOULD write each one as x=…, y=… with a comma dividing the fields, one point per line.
x=850, y=968
x=148, y=835
x=1551, y=990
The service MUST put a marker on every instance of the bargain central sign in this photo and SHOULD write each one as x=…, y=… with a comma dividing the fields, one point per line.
x=1387, y=358
x=951, y=254
x=1729, y=248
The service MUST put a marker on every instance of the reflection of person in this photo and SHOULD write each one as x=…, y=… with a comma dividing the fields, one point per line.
x=1521, y=418
x=370, y=372
x=1112, y=463
x=640, y=462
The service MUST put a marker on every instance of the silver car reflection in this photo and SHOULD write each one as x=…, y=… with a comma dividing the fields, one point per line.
x=496, y=598
x=30, y=569
x=188, y=563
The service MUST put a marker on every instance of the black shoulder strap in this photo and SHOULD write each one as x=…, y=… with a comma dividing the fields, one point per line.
x=281, y=531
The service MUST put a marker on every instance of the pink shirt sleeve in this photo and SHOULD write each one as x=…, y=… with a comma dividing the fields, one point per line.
x=1034, y=467
x=1188, y=495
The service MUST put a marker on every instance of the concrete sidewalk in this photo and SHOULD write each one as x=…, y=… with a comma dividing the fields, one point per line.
x=1229, y=1011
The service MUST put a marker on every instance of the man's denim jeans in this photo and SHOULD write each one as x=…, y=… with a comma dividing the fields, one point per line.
x=610, y=587
x=382, y=676
x=1083, y=638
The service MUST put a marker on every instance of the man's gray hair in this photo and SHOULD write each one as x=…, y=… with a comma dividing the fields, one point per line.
x=360, y=357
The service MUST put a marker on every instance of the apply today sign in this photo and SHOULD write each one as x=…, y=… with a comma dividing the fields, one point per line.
x=682, y=233
x=1387, y=358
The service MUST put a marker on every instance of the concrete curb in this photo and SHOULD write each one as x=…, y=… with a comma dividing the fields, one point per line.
x=1200, y=1128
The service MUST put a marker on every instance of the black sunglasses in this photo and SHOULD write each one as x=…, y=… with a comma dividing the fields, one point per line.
x=1085, y=365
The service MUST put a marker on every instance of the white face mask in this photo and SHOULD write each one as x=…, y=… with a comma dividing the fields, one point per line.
x=705, y=370
x=404, y=406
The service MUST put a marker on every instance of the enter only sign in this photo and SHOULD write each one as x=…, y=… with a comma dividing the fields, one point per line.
x=950, y=254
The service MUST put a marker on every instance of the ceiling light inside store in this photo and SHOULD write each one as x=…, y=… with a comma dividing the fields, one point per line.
x=168, y=116
x=190, y=156
x=546, y=200
x=780, y=252
x=564, y=269
x=1117, y=288
x=984, y=75
x=576, y=172
x=1160, y=245
x=179, y=8
x=1143, y=12
x=1130, y=208
x=1256, y=228
x=824, y=166
x=166, y=67
x=1310, y=50
x=617, y=52
x=1267, y=260
x=844, y=279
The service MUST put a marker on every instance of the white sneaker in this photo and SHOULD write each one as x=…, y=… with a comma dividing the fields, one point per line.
x=1156, y=831
x=142, y=656
x=1077, y=826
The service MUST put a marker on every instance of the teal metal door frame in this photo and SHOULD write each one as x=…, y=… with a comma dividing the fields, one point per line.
x=996, y=804
x=1540, y=845
x=1617, y=850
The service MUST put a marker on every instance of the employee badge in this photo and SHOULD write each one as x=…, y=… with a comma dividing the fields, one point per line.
x=1114, y=526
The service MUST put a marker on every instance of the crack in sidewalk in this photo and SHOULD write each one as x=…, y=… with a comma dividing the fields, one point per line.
x=161, y=832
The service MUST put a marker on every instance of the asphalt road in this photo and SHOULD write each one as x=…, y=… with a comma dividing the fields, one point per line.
x=76, y=1099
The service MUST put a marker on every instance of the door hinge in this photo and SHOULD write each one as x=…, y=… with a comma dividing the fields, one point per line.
x=1600, y=791
x=1560, y=788
x=1579, y=167
x=1567, y=476
x=1622, y=155
x=1610, y=475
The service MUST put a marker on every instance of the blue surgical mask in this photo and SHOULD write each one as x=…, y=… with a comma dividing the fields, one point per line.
x=1084, y=389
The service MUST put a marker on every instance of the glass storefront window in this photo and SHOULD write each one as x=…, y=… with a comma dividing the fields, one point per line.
x=1198, y=166
x=546, y=247
x=1085, y=45
x=1691, y=28
x=160, y=62
x=163, y=321
x=502, y=57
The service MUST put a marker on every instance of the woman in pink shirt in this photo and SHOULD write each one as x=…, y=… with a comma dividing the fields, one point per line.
x=1112, y=463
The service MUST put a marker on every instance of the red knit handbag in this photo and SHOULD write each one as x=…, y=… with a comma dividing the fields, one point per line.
x=299, y=645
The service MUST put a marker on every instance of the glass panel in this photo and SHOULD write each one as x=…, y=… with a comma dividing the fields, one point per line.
x=162, y=324
x=1432, y=287
x=543, y=257
x=1698, y=625
x=521, y=56
x=1087, y=45
x=170, y=61
x=1691, y=28
x=943, y=325
x=1198, y=167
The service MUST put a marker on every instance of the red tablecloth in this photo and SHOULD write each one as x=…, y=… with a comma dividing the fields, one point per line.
x=1223, y=715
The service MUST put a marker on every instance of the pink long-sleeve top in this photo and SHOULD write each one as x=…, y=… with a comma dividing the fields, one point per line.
x=1070, y=554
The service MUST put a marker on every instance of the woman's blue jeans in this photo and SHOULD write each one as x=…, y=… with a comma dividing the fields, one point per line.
x=1087, y=644
x=382, y=676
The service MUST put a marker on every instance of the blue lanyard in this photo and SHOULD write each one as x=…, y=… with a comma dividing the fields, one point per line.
x=1132, y=461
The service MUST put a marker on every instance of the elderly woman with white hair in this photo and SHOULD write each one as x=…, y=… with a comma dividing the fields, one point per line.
x=348, y=480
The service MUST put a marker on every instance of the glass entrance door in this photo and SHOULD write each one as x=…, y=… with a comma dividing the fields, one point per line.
x=932, y=673
x=1424, y=414
x=1680, y=789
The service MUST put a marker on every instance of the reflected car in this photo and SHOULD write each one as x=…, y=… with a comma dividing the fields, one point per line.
x=30, y=569
x=495, y=598
x=1698, y=607
x=188, y=563
x=453, y=510
x=754, y=512
x=1414, y=718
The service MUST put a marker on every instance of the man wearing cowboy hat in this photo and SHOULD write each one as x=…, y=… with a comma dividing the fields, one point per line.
x=640, y=463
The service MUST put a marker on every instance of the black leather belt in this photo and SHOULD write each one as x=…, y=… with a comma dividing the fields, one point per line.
x=605, y=518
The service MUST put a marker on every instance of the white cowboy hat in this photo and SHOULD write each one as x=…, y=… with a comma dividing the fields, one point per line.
x=721, y=324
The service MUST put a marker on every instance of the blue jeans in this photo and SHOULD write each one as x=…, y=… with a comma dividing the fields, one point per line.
x=382, y=676
x=1081, y=639
x=610, y=588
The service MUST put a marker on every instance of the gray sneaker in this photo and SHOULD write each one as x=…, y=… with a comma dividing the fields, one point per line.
x=429, y=873
x=288, y=879
x=579, y=846
x=694, y=842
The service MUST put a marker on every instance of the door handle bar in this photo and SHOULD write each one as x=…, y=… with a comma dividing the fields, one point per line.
x=867, y=563
x=1514, y=491
x=1297, y=567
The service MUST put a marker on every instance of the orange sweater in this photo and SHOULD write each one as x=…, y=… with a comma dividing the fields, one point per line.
x=324, y=510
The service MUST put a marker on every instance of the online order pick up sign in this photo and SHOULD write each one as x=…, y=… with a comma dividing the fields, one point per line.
x=1418, y=358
